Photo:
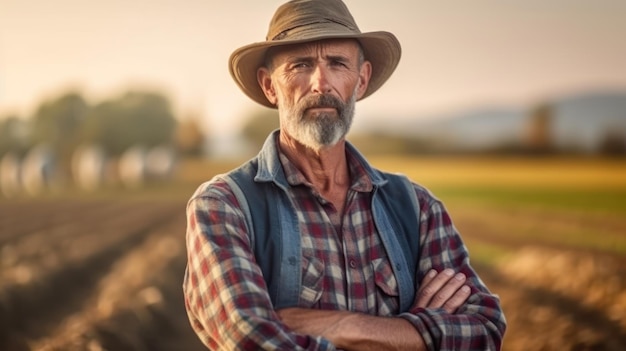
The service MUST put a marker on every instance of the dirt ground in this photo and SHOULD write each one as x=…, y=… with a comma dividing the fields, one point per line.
x=106, y=274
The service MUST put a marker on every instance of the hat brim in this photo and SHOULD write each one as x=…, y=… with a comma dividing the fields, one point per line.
x=382, y=49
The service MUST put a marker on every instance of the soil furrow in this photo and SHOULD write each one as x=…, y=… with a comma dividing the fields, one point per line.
x=137, y=305
x=30, y=310
x=25, y=218
x=556, y=321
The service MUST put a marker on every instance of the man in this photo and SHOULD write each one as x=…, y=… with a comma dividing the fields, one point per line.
x=307, y=247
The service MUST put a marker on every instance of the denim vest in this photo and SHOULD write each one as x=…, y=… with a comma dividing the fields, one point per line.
x=261, y=189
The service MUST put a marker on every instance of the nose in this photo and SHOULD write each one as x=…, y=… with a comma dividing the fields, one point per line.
x=320, y=82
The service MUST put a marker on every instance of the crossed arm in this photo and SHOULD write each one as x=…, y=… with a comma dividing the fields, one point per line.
x=357, y=331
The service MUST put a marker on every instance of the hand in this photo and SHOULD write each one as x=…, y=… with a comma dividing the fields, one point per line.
x=443, y=290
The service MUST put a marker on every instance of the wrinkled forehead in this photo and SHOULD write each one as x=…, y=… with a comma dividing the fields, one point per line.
x=346, y=47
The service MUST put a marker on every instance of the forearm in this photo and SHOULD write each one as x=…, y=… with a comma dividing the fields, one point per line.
x=473, y=321
x=479, y=323
x=365, y=332
x=354, y=331
x=461, y=331
x=450, y=317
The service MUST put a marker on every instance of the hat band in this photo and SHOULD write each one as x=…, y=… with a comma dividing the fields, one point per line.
x=282, y=35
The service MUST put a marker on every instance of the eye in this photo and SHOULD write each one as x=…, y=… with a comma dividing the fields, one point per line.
x=300, y=65
x=338, y=63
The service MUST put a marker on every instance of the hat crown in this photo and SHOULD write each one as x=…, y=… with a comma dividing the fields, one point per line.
x=297, y=16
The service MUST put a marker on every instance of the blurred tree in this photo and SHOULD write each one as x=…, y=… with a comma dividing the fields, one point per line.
x=57, y=121
x=260, y=124
x=539, y=134
x=190, y=139
x=135, y=118
x=613, y=143
x=14, y=135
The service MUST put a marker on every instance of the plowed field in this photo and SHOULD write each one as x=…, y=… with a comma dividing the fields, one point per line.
x=105, y=272
x=93, y=275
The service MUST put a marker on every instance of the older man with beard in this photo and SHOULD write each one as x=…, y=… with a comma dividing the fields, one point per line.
x=307, y=246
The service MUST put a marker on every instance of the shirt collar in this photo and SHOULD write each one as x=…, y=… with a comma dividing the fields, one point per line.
x=275, y=166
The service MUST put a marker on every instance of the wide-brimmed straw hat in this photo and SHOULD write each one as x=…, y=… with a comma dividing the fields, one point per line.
x=301, y=21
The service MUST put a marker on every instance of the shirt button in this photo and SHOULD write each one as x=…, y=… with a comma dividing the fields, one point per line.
x=352, y=263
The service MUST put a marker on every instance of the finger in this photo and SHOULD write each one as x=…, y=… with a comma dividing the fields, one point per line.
x=428, y=278
x=447, y=291
x=458, y=299
x=429, y=290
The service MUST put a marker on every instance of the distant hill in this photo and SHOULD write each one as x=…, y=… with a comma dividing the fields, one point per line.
x=577, y=122
x=584, y=120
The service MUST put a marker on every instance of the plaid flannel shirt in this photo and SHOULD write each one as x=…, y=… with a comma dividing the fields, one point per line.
x=344, y=267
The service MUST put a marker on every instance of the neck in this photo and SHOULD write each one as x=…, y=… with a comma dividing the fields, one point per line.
x=326, y=168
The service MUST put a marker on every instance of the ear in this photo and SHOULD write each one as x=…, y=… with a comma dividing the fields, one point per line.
x=264, y=78
x=364, y=78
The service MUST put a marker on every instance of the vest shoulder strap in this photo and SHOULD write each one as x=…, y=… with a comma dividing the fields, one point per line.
x=403, y=210
x=262, y=222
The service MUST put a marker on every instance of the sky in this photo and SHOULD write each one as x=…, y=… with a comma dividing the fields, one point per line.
x=456, y=54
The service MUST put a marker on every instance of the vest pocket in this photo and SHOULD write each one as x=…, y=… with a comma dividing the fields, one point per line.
x=312, y=277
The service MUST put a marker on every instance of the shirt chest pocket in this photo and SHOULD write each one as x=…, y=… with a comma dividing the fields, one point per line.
x=312, y=286
x=386, y=287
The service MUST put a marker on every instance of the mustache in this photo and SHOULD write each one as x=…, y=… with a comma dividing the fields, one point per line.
x=324, y=100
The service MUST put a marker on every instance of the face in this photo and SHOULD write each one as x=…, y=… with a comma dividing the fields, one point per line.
x=315, y=87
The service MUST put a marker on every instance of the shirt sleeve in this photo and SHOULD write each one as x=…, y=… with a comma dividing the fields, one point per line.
x=225, y=295
x=479, y=324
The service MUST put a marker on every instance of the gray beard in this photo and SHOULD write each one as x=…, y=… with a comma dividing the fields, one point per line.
x=318, y=130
